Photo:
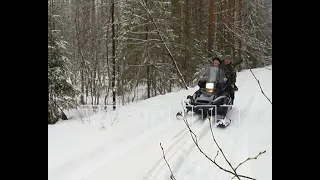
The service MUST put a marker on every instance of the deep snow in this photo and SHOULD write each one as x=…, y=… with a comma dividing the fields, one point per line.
x=125, y=145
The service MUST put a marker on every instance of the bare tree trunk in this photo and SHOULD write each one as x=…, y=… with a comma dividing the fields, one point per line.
x=97, y=81
x=91, y=87
x=232, y=26
x=108, y=64
x=148, y=82
x=200, y=17
x=147, y=61
x=211, y=27
x=240, y=27
x=154, y=80
x=82, y=87
x=87, y=88
x=186, y=40
x=82, y=64
x=113, y=57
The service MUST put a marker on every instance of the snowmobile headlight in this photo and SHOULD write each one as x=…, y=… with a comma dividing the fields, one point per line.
x=209, y=86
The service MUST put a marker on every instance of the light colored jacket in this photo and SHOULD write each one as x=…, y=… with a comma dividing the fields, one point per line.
x=211, y=73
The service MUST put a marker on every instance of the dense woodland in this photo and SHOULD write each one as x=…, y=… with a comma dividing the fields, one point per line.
x=102, y=50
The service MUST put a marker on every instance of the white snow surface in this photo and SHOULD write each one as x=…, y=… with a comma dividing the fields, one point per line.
x=125, y=144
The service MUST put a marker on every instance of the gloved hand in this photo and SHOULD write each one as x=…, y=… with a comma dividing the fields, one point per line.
x=225, y=79
x=232, y=85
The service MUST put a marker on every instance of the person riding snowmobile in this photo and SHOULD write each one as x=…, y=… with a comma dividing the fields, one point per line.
x=229, y=68
x=202, y=82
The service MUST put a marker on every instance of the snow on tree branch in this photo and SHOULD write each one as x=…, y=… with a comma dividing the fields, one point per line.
x=165, y=44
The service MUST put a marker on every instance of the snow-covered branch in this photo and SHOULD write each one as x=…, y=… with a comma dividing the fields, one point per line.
x=165, y=44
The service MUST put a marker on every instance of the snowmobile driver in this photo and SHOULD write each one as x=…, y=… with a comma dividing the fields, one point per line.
x=202, y=82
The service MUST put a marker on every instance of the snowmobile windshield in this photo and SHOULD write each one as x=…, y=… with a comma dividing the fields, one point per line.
x=214, y=74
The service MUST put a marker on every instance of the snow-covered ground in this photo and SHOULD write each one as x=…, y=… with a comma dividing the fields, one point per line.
x=125, y=144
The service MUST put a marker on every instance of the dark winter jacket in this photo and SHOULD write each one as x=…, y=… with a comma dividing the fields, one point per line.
x=231, y=71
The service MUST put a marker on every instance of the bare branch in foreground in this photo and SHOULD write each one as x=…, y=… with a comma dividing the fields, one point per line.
x=164, y=157
x=216, y=155
x=225, y=158
x=194, y=138
x=258, y=82
x=260, y=87
x=248, y=159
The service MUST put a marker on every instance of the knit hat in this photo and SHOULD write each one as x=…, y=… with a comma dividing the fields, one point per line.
x=227, y=57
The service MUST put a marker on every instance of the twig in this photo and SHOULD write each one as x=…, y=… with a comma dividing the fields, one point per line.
x=164, y=157
x=216, y=155
x=258, y=82
x=260, y=87
x=248, y=159
x=225, y=158
x=194, y=138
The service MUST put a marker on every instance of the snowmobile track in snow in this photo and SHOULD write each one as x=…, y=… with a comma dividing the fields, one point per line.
x=180, y=149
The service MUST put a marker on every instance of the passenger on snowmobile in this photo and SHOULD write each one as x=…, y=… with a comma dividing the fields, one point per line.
x=231, y=74
x=230, y=70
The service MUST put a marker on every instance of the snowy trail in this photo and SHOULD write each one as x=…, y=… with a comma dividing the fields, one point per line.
x=134, y=157
x=103, y=159
x=130, y=148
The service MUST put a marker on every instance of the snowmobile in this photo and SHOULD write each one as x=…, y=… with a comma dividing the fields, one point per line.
x=212, y=101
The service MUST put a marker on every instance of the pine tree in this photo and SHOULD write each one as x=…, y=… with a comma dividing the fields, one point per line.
x=61, y=93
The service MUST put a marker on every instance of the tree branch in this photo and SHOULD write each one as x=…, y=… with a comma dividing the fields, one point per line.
x=260, y=86
x=164, y=157
x=248, y=159
x=225, y=158
x=194, y=138
x=257, y=81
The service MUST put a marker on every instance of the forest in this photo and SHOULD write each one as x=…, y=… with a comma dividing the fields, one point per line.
x=114, y=52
